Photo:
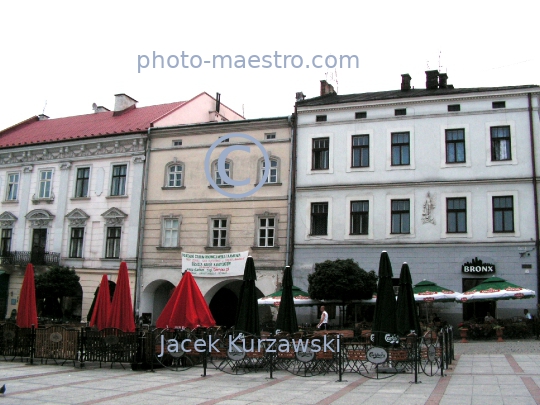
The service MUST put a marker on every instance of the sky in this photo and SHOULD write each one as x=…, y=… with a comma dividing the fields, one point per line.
x=61, y=57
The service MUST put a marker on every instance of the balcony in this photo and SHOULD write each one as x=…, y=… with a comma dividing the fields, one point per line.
x=23, y=258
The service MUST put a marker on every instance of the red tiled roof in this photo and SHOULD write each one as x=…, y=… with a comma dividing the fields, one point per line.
x=33, y=131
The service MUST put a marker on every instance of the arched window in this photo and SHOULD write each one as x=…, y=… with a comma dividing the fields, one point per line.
x=215, y=173
x=174, y=175
x=273, y=175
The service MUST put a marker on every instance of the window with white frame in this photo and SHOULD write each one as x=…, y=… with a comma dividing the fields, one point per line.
x=118, y=180
x=319, y=218
x=175, y=175
x=455, y=146
x=273, y=174
x=82, y=182
x=112, y=243
x=76, y=243
x=359, y=217
x=266, y=231
x=12, y=189
x=360, y=151
x=503, y=214
x=500, y=143
x=215, y=172
x=219, y=232
x=5, y=241
x=456, y=215
x=170, y=232
x=320, y=152
x=45, y=184
x=400, y=217
x=400, y=148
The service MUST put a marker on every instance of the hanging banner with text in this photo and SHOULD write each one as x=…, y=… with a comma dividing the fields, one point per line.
x=214, y=265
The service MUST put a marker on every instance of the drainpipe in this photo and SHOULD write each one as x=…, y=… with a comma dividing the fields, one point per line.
x=289, y=194
x=292, y=185
x=142, y=219
x=535, y=191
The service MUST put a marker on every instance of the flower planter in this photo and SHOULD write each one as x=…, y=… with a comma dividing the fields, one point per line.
x=463, y=334
x=499, y=332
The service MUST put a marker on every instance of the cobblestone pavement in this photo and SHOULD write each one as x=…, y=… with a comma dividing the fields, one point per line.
x=484, y=373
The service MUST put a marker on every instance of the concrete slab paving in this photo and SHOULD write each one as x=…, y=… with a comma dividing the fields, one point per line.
x=484, y=373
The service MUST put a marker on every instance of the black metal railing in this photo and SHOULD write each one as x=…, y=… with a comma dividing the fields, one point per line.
x=18, y=258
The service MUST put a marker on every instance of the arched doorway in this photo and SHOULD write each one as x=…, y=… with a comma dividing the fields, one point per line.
x=153, y=299
x=161, y=297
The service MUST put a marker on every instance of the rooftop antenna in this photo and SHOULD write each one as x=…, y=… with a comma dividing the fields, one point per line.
x=45, y=106
x=440, y=60
x=243, y=115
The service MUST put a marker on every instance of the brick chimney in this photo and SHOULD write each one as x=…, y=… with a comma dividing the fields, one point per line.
x=405, y=82
x=443, y=78
x=122, y=102
x=432, y=79
x=326, y=88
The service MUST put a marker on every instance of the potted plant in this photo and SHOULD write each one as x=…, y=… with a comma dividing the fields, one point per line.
x=499, y=331
x=463, y=332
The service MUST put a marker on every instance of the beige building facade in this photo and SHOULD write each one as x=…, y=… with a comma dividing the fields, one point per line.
x=185, y=214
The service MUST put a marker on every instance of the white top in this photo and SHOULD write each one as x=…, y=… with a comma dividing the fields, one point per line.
x=324, y=317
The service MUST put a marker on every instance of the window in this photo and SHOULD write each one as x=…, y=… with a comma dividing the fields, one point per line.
x=454, y=107
x=360, y=151
x=267, y=232
x=174, y=173
x=45, y=184
x=273, y=174
x=170, y=232
x=456, y=215
x=400, y=111
x=359, y=217
x=177, y=142
x=360, y=115
x=503, y=214
x=217, y=177
x=219, y=232
x=319, y=219
x=118, y=183
x=76, y=242
x=271, y=135
x=320, y=118
x=12, y=186
x=83, y=179
x=112, y=248
x=5, y=242
x=320, y=154
x=401, y=216
x=500, y=143
x=400, y=148
x=455, y=145
x=498, y=104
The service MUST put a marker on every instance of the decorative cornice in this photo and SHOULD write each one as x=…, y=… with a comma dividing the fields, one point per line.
x=114, y=216
x=138, y=159
x=93, y=149
x=464, y=182
x=65, y=166
x=405, y=101
x=28, y=169
x=77, y=217
x=7, y=219
x=39, y=218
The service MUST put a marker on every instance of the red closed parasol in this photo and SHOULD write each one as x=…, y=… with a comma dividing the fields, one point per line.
x=121, y=313
x=186, y=307
x=102, y=308
x=27, y=313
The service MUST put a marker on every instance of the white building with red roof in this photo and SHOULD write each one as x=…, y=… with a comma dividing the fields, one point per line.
x=71, y=191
